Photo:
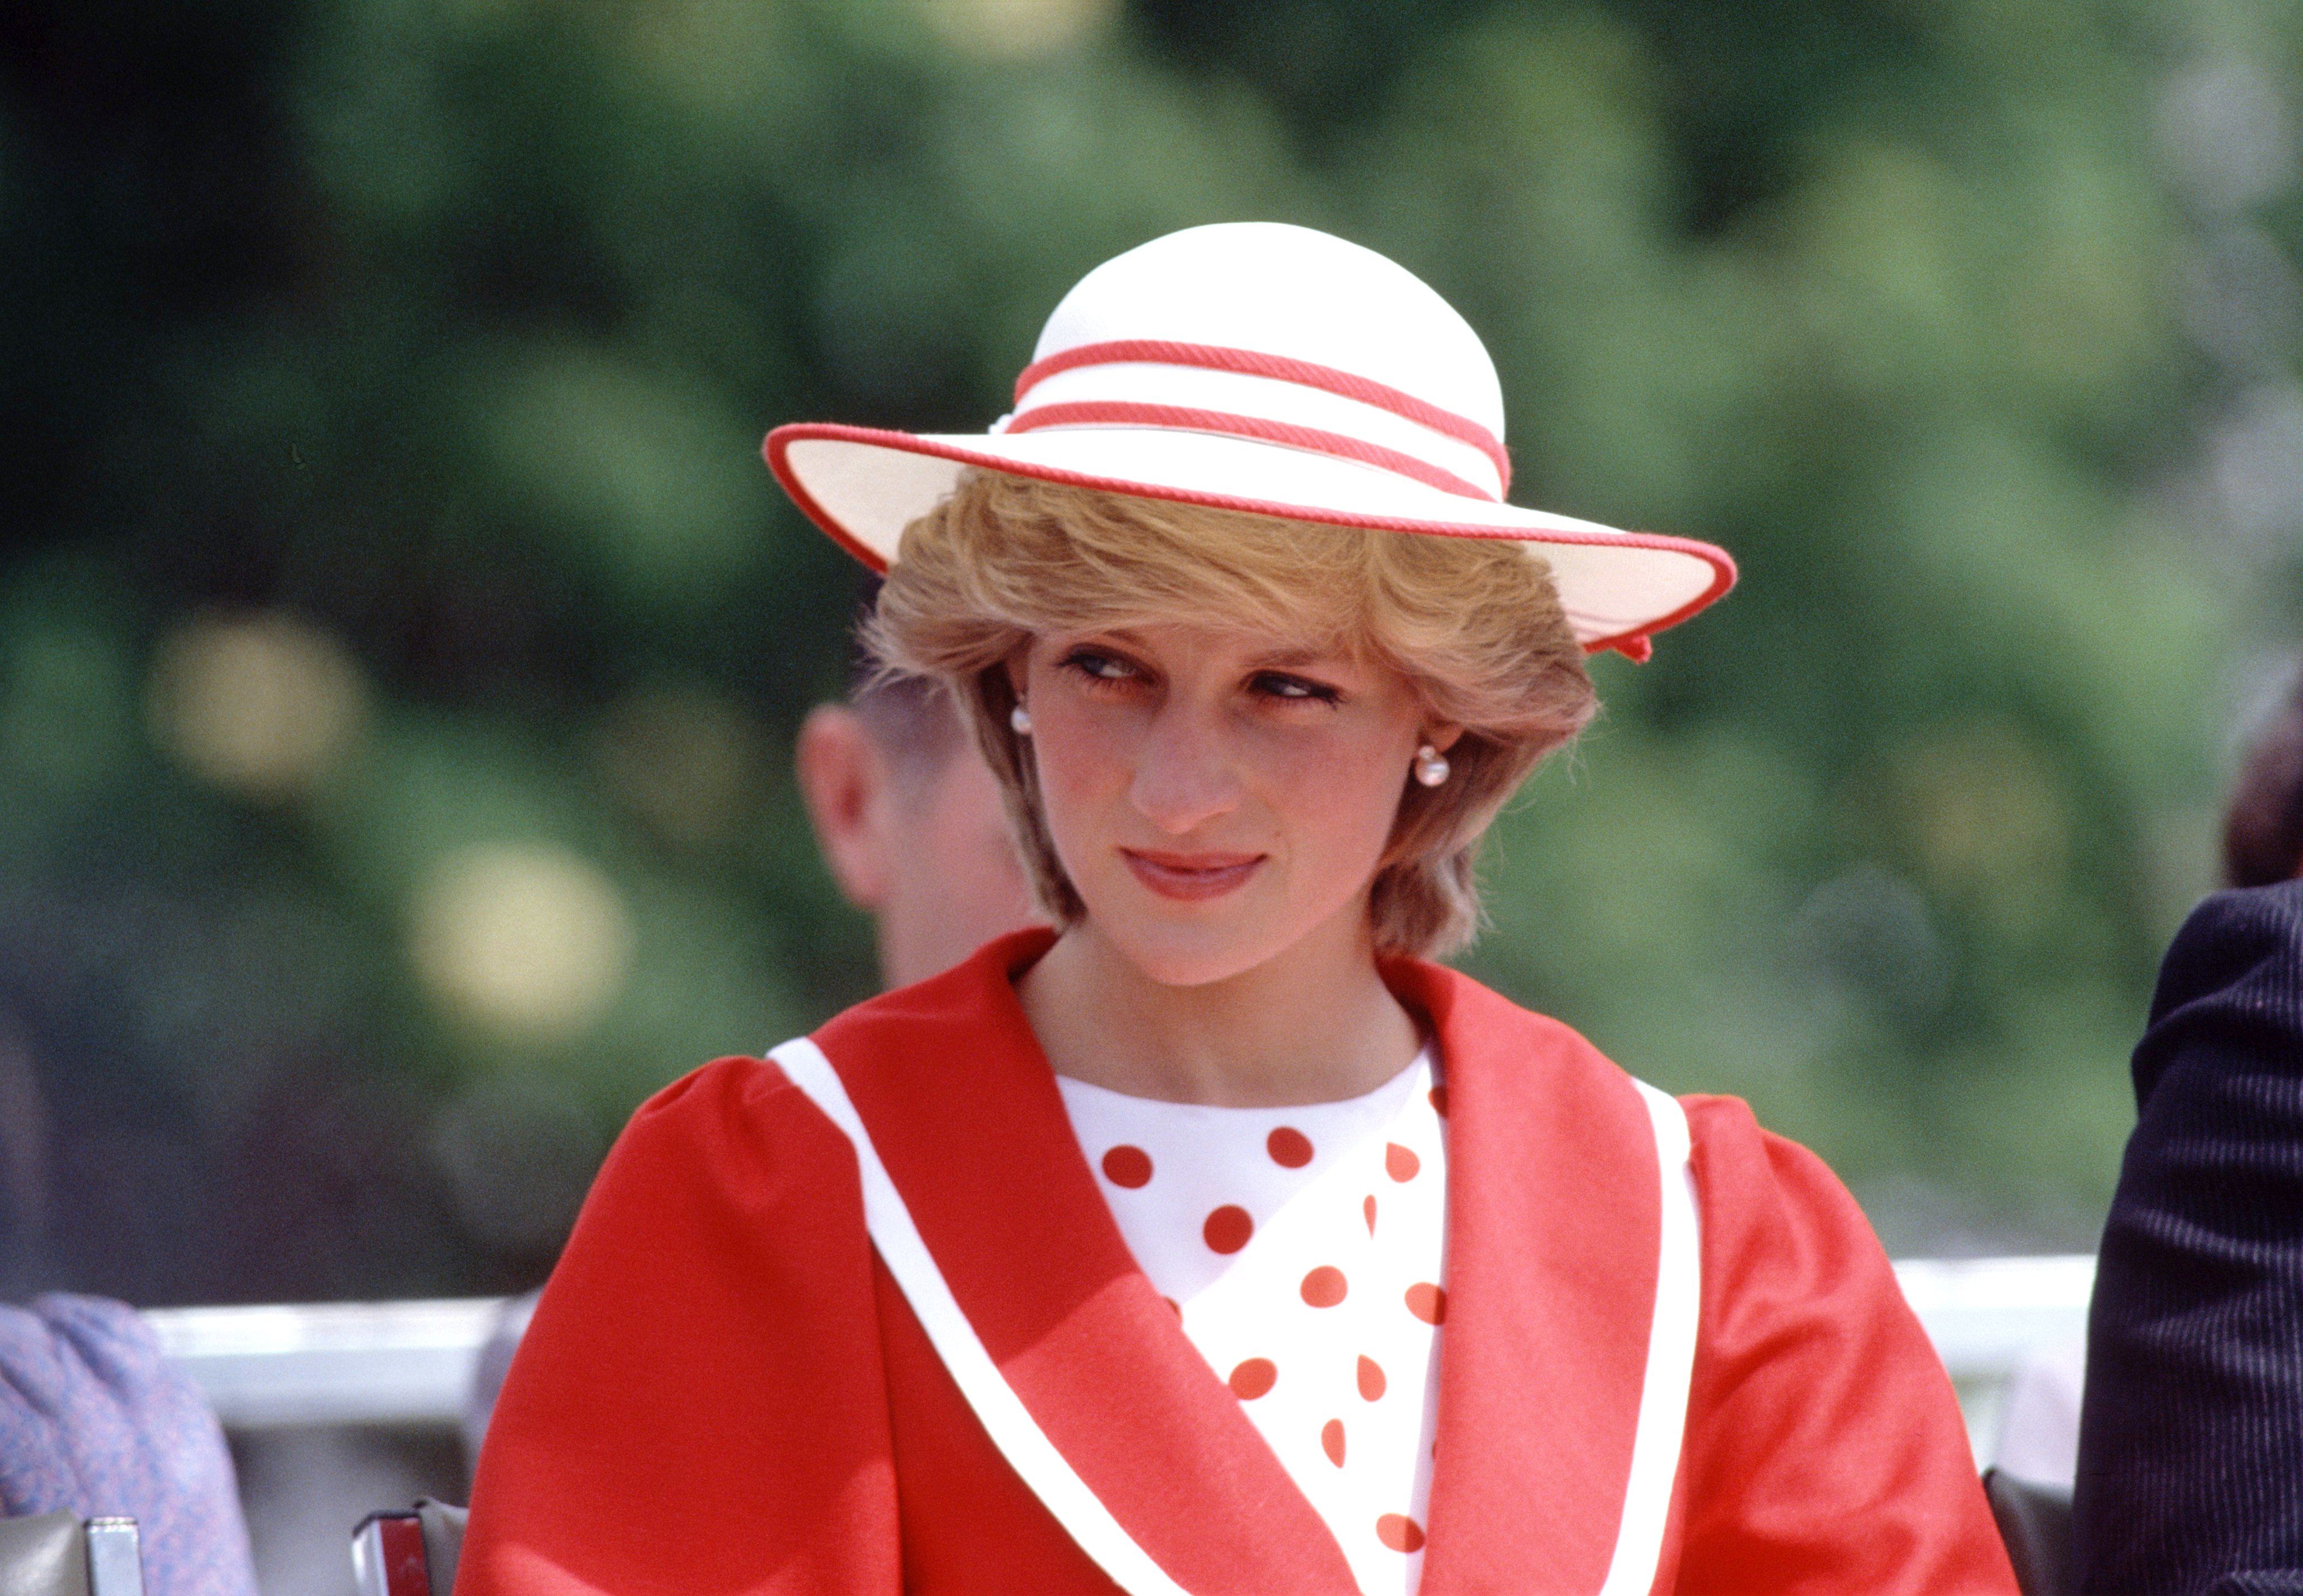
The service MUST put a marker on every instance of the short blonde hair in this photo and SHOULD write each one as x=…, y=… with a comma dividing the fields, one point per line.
x=1473, y=624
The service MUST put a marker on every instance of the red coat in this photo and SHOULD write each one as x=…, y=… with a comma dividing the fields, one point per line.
x=732, y=1387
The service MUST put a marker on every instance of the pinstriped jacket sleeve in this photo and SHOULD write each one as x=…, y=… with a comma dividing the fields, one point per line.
x=2190, y=1469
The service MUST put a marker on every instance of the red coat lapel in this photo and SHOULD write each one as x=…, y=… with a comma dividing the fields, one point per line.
x=1553, y=1224
x=964, y=1112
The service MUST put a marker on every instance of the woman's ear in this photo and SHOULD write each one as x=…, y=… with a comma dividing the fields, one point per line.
x=1015, y=665
x=1442, y=735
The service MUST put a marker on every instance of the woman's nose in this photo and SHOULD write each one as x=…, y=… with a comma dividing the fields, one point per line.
x=1185, y=773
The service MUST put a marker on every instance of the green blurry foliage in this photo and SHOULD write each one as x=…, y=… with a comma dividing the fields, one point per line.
x=448, y=329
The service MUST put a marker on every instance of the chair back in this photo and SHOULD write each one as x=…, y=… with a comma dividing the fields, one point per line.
x=62, y=1554
x=2035, y=1520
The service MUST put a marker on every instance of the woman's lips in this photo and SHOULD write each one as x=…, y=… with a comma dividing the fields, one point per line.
x=1192, y=877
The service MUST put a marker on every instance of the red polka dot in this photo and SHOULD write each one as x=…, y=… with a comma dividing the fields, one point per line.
x=1227, y=1229
x=1398, y=1162
x=1399, y=1533
x=1370, y=1379
x=1290, y=1148
x=1368, y=1208
x=1324, y=1287
x=1439, y=1096
x=1126, y=1166
x=1427, y=1302
x=1331, y=1442
x=1253, y=1378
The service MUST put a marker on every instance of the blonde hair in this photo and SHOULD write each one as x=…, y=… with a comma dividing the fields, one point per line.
x=1473, y=624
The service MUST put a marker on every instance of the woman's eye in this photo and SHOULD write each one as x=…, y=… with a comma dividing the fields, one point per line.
x=1098, y=667
x=1293, y=688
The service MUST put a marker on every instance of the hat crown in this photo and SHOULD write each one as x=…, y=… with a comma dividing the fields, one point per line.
x=1290, y=291
x=1280, y=334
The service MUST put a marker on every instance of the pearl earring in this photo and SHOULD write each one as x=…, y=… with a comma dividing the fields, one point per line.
x=1020, y=719
x=1431, y=765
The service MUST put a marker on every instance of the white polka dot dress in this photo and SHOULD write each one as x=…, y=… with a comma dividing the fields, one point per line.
x=1302, y=1247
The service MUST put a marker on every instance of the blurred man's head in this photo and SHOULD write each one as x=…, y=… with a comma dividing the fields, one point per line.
x=2263, y=829
x=910, y=821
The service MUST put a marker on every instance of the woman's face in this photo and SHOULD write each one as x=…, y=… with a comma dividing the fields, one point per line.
x=1214, y=798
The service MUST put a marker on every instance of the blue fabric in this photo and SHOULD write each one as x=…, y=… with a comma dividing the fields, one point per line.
x=93, y=1419
x=2191, y=1465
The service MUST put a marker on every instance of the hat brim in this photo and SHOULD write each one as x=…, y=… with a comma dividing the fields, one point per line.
x=863, y=485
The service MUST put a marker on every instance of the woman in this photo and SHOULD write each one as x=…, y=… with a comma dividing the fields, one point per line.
x=1214, y=1241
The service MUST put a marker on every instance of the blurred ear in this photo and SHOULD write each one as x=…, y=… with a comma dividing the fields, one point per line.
x=845, y=782
x=1442, y=735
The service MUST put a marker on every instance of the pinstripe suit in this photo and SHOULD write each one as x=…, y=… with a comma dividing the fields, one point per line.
x=2191, y=1467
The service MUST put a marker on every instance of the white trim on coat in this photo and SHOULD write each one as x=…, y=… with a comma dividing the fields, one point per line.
x=1005, y=1418
x=1671, y=1358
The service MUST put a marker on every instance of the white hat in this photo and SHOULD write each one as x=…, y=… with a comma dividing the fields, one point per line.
x=1258, y=367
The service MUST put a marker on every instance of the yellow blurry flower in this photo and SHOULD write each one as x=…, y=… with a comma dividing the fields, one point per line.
x=526, y=940
x=264, y=704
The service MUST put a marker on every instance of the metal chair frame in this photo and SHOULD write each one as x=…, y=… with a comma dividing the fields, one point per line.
x=62, y=1554
x=411, y=1551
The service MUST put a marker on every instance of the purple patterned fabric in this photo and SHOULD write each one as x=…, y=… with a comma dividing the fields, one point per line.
x=94, y=1419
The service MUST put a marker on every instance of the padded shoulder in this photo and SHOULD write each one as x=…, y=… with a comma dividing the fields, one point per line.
x=714, y=1302
x=2232, y=983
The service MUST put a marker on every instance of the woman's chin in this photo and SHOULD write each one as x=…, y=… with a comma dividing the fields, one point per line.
x=1196, y=950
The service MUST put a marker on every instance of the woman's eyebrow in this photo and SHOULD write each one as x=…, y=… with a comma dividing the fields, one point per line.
x=1131, y=636
x=1303, y=658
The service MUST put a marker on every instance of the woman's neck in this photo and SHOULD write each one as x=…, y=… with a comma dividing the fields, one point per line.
x=1314, y=1025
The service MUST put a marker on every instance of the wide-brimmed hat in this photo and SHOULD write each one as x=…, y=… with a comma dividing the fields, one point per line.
x=1258, y=367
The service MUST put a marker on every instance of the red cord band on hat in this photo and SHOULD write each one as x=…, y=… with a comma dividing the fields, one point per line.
x=1248, y=362
x=1312, y=438
x=1633, y=642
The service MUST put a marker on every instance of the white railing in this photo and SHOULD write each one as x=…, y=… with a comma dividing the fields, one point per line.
x=1985, y=1314
x=411, y=1362
x=389, y=1363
